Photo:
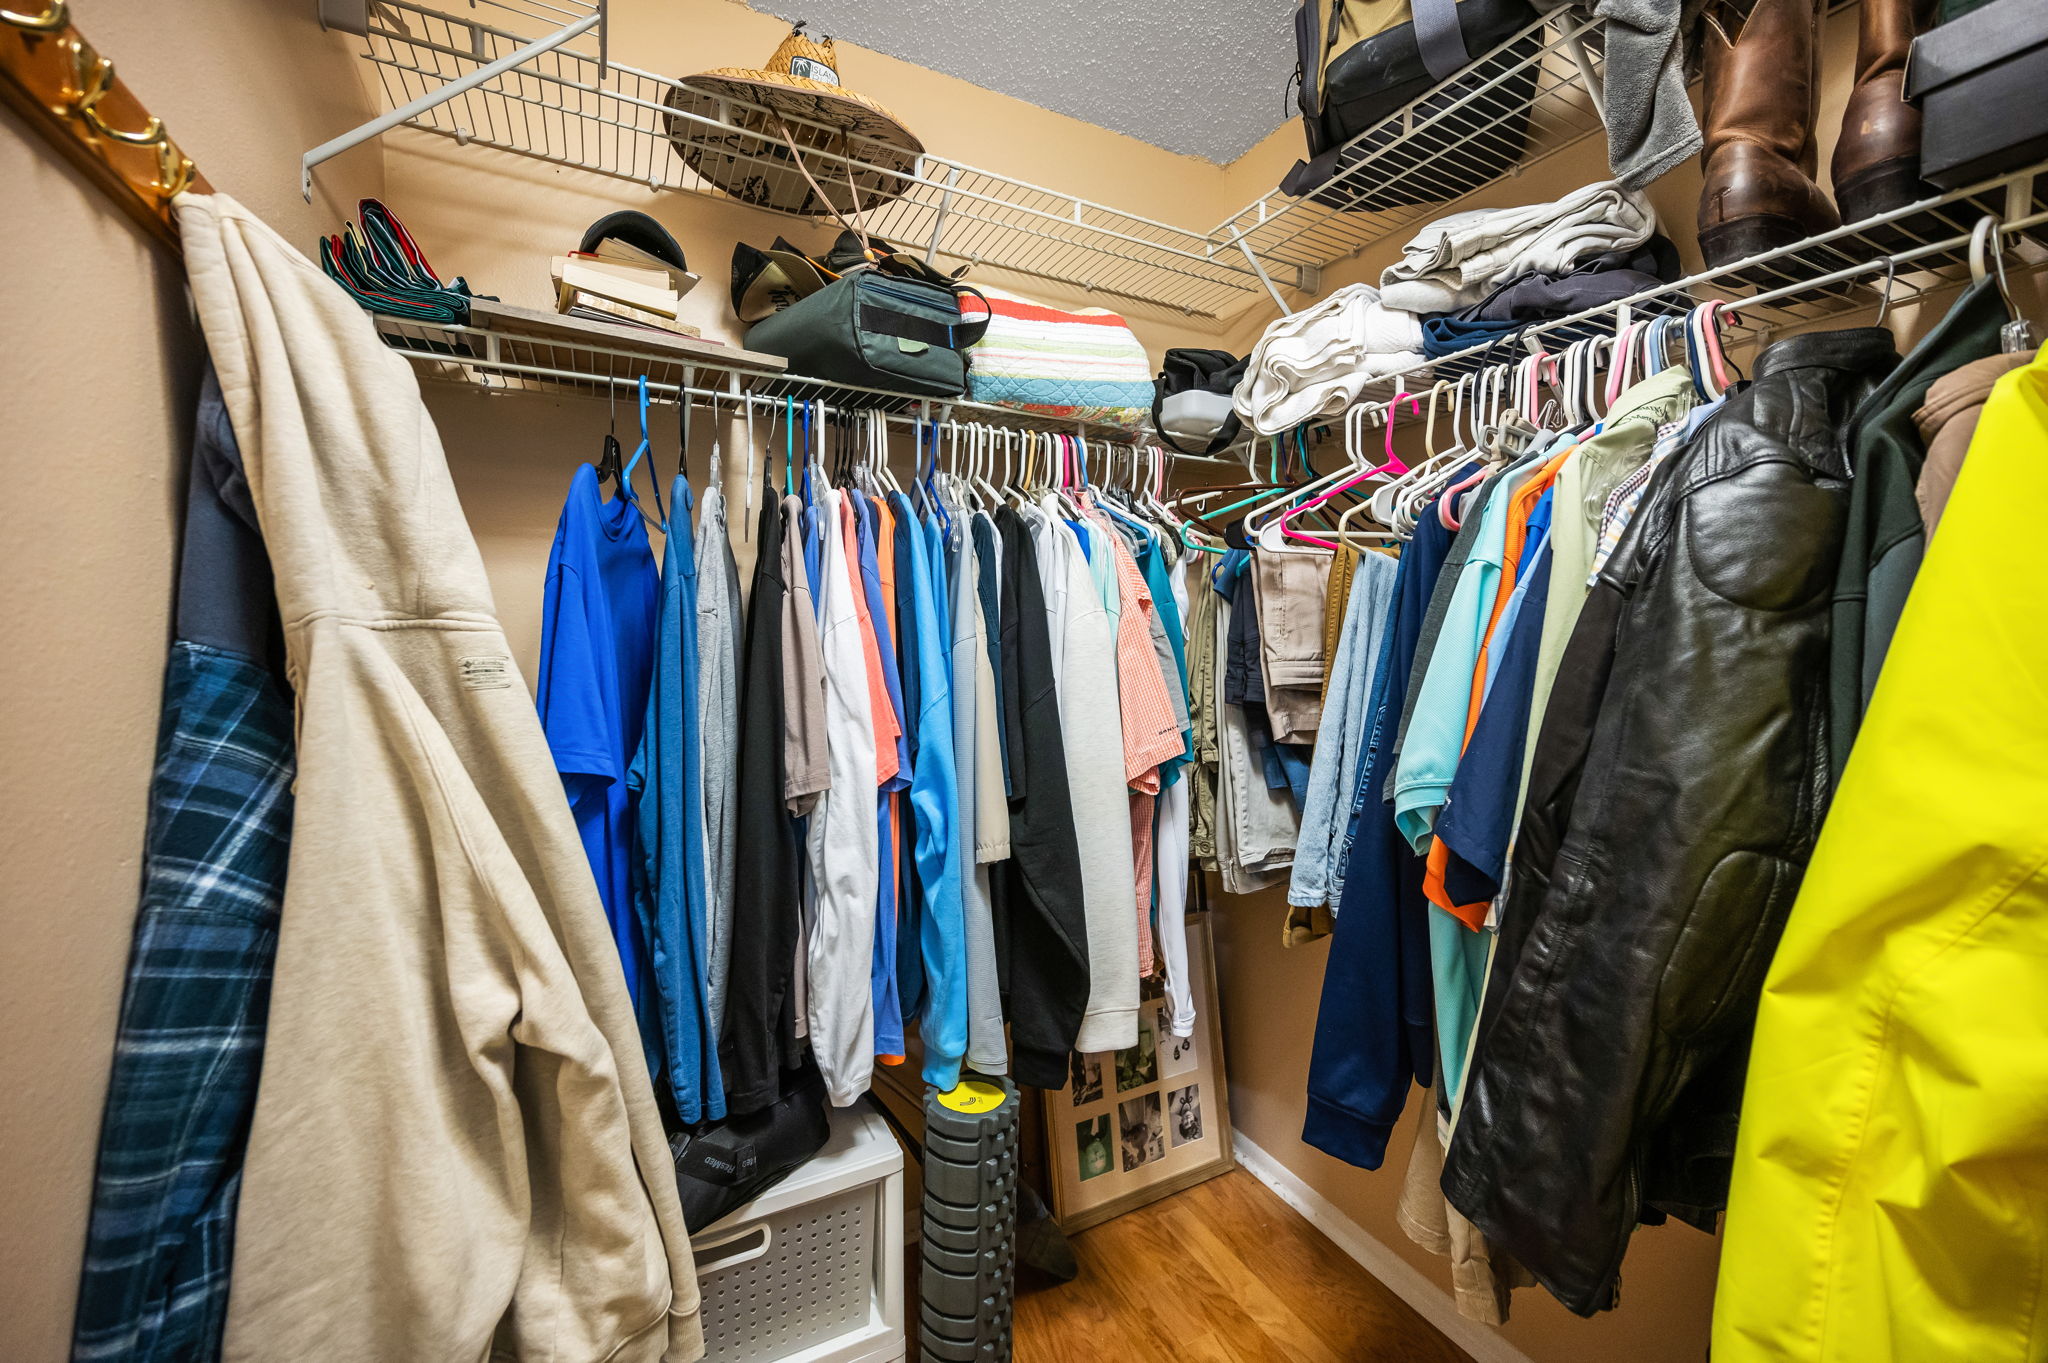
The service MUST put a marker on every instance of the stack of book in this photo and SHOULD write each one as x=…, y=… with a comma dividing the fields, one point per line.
x=619, y=282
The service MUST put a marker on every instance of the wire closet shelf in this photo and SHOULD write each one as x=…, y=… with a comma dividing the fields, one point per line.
x=560, y=100
x=563, y=106
x=1861, y=269
x=1889, y=261
x=1532, y=96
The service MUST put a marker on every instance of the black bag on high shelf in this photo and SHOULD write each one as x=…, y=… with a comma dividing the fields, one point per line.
x=1471, y=127
x=1191, y=400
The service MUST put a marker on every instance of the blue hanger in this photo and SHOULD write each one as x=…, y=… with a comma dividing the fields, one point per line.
x=809, y=500
x=931, y=474
x=788, y=446
x=626, y=475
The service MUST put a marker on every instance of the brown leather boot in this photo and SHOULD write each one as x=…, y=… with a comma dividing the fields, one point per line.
x=1762, y=92
x=1876, y=165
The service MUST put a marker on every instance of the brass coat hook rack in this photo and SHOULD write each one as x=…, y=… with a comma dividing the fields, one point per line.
x=56, y=80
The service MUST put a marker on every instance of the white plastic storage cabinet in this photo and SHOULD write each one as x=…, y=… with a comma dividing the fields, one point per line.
x=811, y=1271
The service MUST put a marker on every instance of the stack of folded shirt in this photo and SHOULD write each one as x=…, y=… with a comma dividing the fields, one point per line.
x=1314, y=363
x=1458, y=260
x=1540, y=296
x=383, y=268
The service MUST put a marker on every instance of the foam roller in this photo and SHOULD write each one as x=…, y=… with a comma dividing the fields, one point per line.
x=968, y=1277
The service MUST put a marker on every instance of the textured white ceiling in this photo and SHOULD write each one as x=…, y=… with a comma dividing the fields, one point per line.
x=1204, y=77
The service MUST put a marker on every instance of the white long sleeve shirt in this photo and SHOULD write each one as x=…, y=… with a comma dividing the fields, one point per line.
x=842, y=842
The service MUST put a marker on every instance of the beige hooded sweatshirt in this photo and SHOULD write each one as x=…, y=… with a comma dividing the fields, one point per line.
x=455, y=1153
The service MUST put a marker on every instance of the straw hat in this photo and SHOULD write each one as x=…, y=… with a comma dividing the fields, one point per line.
x=749, y=157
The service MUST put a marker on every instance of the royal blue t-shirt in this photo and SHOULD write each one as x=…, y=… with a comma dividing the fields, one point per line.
x=596, y=658
x=667, y=782
x=935, y=800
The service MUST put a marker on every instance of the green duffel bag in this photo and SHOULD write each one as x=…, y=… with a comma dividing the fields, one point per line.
x=878, y=331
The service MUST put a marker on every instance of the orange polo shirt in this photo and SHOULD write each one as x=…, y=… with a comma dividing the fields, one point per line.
x=1521, y=503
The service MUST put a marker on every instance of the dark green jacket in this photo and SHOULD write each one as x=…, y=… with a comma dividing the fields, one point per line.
x=1882, y=547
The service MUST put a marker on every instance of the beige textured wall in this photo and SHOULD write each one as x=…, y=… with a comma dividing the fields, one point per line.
x=104, y=366
x=1270, y=996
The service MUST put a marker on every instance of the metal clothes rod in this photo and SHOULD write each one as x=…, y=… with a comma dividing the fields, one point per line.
x=713, y=398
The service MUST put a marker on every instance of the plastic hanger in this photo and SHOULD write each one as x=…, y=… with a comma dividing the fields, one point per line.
x=804, y=477
x=1295, y=480
x=1153, y=499
x=1580, y=393
x=788, y=446
x=1305, y=484
x=608, y=460
x=747, y=411
x=1387, y=495
x=1703, y=349
x=1490, y=384
x=1109, y=504
x=683, y=405
x=1391, y=463
x=927, y=478
x=980, y=459
x=640, y=451
x=1191, y=522
x=1005, y=485
x=1342, y=532
x=1987, y=238
x=714, y=468
x=1622, y=362
x=1407, y=503
x=1530, y=372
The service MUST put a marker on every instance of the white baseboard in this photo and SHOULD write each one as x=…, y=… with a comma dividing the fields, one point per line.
x=1433, y=1303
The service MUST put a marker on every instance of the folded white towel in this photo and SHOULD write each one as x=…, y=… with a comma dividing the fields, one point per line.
x=1458, y=260
x=1314, y=363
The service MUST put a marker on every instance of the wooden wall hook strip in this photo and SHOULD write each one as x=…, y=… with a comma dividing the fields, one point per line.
x=58, y=82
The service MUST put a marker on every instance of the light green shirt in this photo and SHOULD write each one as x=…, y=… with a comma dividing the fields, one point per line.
x=1625, y=440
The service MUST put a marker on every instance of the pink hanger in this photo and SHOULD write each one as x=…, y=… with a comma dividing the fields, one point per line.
x=1706, y=326
x=1446, y=503
x=1394, y=464
x=1623, y=361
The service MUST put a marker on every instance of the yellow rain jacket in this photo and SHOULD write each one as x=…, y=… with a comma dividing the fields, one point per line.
x=1890, y=1196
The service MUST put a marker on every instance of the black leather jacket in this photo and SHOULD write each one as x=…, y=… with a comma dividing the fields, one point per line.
x=1679, y=782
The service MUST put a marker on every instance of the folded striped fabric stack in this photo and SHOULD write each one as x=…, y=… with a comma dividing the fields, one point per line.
x=384, y=269
x=1084, y=365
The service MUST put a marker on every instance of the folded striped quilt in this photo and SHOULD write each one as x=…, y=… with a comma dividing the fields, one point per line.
x=1071, y=366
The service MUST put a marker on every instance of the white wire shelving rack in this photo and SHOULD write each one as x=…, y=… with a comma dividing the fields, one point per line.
x=1532, y=96
x=566, y=105
x=560, y=99
x=478, y=78
x=1892, y=260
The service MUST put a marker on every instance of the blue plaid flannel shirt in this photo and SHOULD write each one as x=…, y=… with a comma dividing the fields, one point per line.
x=154, y=1286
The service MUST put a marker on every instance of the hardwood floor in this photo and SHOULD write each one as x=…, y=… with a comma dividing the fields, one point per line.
x=1224, y=1272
